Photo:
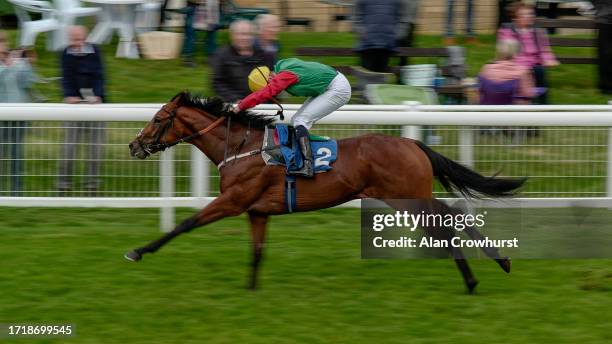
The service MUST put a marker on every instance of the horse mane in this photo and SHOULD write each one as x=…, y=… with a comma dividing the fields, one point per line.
x=215, y=106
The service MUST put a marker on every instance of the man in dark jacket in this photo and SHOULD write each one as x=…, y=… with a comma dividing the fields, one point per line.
x=82, y=69
x=603, y=19
x=82, y=82
x=377, y=23
x=234, y=62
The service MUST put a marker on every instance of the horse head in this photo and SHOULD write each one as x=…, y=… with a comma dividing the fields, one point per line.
x=177, y=121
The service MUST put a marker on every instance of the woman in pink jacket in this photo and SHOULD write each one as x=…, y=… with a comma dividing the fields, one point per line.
x=534, y=53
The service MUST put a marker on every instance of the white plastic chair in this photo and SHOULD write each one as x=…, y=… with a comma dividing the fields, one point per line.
x=68, y=11
x=29, y=28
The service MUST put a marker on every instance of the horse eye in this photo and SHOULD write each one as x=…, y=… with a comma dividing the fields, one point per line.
x=156, y=120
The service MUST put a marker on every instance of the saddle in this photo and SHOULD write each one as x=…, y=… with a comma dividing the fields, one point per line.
x=280, y=147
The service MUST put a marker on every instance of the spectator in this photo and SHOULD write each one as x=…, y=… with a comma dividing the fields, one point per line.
x=377, y=23
x=16, y=79
x=603, y=19
x=268, y=27
x=83, y=81
x=408, y=25
x=469, y=26
x=504, y=70
x=200, y=15
x=535, y=53
x=234, y=62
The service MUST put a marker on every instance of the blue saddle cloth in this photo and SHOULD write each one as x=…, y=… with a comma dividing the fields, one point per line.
x=324, y=150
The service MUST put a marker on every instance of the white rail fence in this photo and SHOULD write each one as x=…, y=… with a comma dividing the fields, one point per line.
x=563, y=149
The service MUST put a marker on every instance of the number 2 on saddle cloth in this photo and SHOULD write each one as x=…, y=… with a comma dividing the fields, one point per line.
x=324, y=150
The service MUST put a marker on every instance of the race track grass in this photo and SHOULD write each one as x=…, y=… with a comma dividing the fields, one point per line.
x=66, y=266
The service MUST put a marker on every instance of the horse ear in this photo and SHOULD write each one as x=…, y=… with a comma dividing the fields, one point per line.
x=180, y=97
x=176, y=97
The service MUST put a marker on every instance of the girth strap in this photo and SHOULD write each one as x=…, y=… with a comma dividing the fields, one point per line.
x=290, y=193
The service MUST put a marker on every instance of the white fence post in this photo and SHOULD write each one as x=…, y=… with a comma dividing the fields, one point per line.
x=412, y=131
x=166, y=189
x=200, y=173
x=609, y=170
x=466, y=146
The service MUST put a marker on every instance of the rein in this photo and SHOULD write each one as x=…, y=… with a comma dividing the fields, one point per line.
x=238, y=147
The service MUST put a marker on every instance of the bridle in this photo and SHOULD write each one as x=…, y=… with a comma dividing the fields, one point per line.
x=160, y=145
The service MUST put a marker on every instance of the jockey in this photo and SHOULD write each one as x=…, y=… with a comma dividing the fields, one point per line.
x=326, y=89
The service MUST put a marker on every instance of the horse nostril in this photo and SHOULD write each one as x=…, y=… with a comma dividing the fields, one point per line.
x=131, y=145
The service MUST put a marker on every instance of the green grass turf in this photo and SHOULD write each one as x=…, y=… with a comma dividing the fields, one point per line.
x=66, y=266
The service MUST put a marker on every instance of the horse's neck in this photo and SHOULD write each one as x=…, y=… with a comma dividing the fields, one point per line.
x=213, y=144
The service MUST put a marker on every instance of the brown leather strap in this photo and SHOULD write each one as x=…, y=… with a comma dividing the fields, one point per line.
x=212, y=126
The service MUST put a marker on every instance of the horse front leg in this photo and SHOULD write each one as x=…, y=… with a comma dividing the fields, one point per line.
x=224, y=206
x=258, y=235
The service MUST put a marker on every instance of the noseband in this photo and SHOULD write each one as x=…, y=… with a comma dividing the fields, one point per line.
x=158, y=144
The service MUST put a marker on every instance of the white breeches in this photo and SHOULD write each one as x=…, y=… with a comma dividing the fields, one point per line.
x=337, y=94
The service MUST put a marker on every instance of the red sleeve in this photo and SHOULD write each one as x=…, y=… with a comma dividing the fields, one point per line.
x=277, y=84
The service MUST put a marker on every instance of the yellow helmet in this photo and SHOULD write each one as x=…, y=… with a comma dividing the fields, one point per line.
x=258, y=78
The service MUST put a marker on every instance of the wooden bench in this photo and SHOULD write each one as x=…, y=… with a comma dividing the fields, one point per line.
x=556, y=12
x=551, y=10
x=570, y=42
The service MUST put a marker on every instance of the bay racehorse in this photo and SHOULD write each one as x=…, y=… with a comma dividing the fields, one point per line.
x=369, y=166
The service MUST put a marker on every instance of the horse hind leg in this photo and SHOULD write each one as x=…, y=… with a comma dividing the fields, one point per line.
x=504, y=262
x=433, y=206
x=470, y=281
x=468, y=277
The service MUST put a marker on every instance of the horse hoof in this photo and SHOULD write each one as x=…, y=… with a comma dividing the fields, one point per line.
x=133, y=256
x=506, y=264
x=472, y=285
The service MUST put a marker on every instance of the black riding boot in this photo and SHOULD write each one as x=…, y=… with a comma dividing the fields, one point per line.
x=307, y=169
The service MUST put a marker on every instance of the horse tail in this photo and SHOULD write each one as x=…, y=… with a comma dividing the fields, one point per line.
x=469, y=183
